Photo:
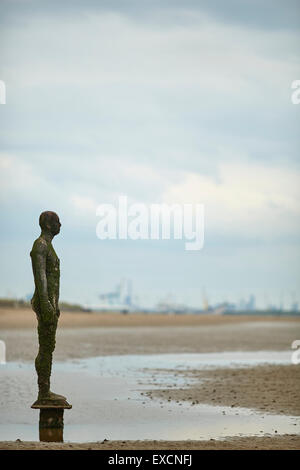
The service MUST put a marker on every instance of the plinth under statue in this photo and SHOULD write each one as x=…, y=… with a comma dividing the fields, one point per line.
x=45, y=266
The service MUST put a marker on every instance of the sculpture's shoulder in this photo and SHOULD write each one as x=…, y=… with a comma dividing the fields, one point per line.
x=39, y=247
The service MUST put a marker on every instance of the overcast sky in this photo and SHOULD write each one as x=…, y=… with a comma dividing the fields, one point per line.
x=168, y=102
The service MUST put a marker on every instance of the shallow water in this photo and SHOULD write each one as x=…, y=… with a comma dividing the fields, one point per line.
x=107, y=403
x=119, y=364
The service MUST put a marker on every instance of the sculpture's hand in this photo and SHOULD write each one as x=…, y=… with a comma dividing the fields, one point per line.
x=48, y=312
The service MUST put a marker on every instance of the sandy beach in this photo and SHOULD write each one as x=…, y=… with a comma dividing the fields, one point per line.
x=265, y=388
x=114, y=333
x=287, y=442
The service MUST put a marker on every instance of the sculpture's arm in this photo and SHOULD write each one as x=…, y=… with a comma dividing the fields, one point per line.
x=38, y=256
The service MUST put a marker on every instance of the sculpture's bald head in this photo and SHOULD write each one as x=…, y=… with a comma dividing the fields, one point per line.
x=49, y=222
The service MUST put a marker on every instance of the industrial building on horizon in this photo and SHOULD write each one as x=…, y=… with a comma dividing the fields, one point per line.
x=121, y=299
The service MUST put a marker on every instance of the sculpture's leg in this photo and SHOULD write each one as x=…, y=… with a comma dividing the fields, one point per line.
x=43, y=362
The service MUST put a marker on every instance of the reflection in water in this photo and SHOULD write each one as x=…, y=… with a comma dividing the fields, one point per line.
x=51, y=425
x=51, y=435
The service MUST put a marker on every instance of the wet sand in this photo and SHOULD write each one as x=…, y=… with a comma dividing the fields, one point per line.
x=267, y=388
x=286, y=442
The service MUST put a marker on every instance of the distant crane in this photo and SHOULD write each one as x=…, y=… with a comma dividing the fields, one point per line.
x=204, y=300
x=121, y=297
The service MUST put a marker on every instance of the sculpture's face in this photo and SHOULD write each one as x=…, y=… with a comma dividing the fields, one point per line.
x=55, y=225
x=49, y=221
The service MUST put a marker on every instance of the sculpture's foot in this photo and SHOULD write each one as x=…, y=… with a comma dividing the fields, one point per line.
x=55, y=396
x=51, y=398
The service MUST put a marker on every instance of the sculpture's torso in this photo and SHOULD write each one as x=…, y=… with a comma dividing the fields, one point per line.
x=52, y=274
x=52, y=270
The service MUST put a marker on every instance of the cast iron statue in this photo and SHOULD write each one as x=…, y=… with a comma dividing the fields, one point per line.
x=45, y=266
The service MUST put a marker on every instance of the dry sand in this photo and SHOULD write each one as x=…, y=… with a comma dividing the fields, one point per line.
x=25, y=318
x=272, y=389
x=86, y=335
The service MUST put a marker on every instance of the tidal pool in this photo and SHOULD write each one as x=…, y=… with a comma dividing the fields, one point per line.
x=107, y=403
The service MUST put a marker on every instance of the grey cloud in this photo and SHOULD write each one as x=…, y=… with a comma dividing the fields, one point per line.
x=271, y=14
x=99, y=92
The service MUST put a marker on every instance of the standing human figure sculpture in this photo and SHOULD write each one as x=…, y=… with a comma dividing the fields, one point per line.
x=45, y=266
